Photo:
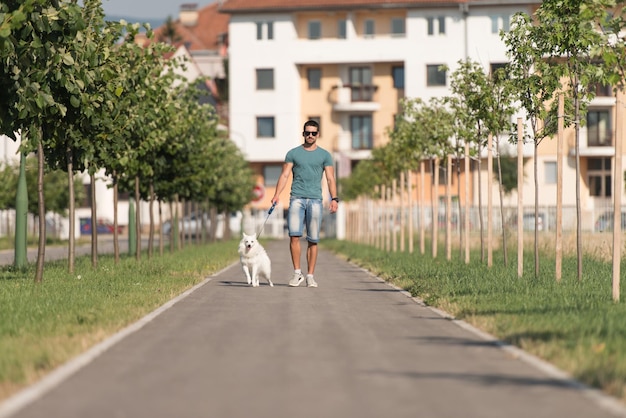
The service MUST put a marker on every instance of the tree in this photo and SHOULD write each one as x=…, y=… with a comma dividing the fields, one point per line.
x=40, y=78
x=566, y=32
x=534, y=83
x=471, y=92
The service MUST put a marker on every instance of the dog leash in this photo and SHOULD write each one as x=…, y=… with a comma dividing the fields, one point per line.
x=269, y=212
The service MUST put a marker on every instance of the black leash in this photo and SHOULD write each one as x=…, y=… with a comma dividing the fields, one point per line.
x=269, y=212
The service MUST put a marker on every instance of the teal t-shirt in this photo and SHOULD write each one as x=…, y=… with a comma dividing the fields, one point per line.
x=308, y=167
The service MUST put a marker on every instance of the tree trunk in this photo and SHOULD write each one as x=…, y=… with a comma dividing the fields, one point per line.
x=116, y=238
x=520, y=197
x=480, y=207
x=71, y=243
x=505, y=252
x=422, y=206
x=94, y=223
x=435, y=207
x=161, y=243
x=579, y=243
x=138, y=219
x=617, y=200
x=151, y=223
x=489, y=200
x=448, y=207
x=41, y=250
x=559, y=190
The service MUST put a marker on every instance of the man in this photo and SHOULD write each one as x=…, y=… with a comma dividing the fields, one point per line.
x=308, y=162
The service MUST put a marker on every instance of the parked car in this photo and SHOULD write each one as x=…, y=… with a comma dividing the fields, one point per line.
x=102, y=227
x=605, y=222
x=193, y=223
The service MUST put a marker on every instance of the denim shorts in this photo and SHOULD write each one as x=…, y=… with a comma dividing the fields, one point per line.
x=305, y=212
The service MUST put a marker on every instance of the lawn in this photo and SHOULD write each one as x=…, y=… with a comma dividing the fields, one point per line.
x=43, y=326
x=573, y=325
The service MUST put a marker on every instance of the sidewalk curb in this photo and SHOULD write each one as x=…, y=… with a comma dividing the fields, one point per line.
x=606, y=402
x=24, y=397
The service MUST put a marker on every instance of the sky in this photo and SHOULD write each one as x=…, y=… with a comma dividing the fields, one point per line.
x=147, y=9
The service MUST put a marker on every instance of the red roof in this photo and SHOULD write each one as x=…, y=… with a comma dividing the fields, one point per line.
x=239, y=6
x=204, y=35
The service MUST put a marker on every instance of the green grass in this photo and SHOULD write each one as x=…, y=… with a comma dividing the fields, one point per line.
x=44, y=325
x=573, y=325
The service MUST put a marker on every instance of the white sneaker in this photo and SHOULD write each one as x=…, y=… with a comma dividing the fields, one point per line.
x=296, y=280
x=310, y=281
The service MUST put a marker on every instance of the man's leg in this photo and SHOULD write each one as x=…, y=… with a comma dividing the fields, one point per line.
x=294, y=247
x=311, y=257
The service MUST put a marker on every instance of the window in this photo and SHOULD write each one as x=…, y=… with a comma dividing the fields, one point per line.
x=436, y=25
x=500, y=22
x=342, y=29
x=398, y=77
x=550, y=168
x=270, y=30
x=397, y=27
x=264, y=30
x=368, y=29
x=435, y=76
x=315, y=29
x=498, y=70
x=271, y=173
x=599, y=171
x=362, y=132
x=602, y=90
x=361, y=84
x=265, y=127
x=599, y=128
x=265, y=79
x=314, y=76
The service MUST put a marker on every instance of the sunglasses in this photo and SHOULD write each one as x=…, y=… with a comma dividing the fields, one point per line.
x=305, y=133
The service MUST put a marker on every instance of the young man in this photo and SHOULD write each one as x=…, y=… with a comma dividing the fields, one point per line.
x=308, y=163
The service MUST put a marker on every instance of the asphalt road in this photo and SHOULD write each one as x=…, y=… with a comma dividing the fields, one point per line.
x=353, y=347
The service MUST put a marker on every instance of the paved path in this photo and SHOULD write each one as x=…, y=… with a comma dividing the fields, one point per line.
x=354, y=347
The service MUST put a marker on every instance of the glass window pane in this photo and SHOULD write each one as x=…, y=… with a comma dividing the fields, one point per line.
x=315, y=29
x=265, y=79
x=314, y=76
x=398, y=77
x=369, y=27
x=434, y=76
x=270, y=30
x=431, y=25
x=397, y=26
x=265, y=127
x=442, y=24
x=506, y=23
x=494, y=24
x=361, y=130
x=342, y=29
x=259, y=30
x=271, y=173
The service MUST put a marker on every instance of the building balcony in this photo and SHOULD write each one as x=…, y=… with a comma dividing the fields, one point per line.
x=354, y=98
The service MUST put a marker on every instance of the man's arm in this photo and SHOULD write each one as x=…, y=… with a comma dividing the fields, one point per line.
x=282, y=181
x=329, y=171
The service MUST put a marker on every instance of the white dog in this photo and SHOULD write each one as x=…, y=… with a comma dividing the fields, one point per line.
x=254, y=260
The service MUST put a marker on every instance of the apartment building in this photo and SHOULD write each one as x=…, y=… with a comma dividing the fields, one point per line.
x=346, y=64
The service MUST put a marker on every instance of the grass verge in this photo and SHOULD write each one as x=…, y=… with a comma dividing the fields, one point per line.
x=43, y=326
x=573, y=325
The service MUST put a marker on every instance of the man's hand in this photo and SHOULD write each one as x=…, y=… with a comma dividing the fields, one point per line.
x=333, y=206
